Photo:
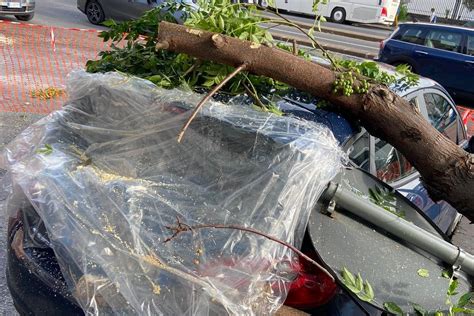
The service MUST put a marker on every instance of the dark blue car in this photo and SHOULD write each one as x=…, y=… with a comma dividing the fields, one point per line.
x=440, y=52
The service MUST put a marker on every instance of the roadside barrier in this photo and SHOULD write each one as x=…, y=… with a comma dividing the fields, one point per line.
x=35, y=61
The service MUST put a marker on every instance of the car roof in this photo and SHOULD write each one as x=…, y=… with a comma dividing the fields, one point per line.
x=440, y=26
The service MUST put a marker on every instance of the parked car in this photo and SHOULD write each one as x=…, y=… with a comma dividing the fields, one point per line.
x=97, y=11
x=441, y=52
x=38, y=285
x=23, y=10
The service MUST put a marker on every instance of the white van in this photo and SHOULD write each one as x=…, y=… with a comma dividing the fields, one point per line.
x=339, y=11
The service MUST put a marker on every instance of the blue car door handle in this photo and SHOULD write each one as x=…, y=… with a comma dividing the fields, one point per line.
x=421, y=52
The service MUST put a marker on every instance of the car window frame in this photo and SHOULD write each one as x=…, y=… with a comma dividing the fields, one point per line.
x=460, y=127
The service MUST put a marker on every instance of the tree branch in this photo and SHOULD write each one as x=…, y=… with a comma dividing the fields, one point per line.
x=446, y=169
x=207, y=97
x=181, y=227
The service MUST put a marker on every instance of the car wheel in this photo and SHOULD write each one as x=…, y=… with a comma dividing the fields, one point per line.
x=338, y=15
x=27, y=17
x=94, y=12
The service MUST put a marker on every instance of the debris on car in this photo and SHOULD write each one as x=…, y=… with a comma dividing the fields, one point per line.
x=113, y=190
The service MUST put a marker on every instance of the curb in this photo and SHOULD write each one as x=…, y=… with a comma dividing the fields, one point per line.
x=329, y=47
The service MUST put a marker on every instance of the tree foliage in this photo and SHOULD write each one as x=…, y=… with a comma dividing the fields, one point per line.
x=133, y=52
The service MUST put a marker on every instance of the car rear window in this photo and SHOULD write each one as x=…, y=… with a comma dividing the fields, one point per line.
x=412, y=34
x=445, y=40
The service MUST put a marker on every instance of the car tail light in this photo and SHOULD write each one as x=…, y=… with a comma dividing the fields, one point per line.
x=381, y=44
x=384, y=12
x=311, y=287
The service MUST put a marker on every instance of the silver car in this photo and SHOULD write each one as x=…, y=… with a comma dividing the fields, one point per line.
x=99, y=10
x=23, y=10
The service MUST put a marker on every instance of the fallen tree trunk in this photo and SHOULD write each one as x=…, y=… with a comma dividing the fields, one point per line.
x=446, y=169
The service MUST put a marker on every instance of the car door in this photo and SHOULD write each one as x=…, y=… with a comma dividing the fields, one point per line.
x=441, y=57
x=399, y=48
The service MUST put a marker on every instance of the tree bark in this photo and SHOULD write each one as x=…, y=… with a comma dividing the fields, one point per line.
x=446, y=169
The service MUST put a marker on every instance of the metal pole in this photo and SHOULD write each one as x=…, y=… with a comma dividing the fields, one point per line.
x=400, y=228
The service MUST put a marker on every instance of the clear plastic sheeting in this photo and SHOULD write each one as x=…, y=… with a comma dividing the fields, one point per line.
x=107, y=177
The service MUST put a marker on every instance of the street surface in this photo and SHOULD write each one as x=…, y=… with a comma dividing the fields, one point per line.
x=63, y=13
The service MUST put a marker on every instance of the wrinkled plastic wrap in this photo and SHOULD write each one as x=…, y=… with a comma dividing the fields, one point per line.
x=115, y=178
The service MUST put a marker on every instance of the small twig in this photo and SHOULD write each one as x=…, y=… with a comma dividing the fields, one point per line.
x=207, y=97
x=295, y=49
x=254, y=97
x=185, y=228
x=299, y=28
x=194, y=66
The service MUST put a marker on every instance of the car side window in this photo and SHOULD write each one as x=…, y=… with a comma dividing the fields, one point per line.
x=413, y=35
x=390, y=164
x=359, y=152
x=445, y=40
x=470, y=45
x=441, y=115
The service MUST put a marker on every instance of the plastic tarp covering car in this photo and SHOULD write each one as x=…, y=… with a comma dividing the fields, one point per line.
x=108, y=179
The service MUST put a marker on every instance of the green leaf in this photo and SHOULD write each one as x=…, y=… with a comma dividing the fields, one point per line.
x=453, y=285
x=109, y=23
x=465, y=299
x=446, y=274
x=349, y=281
x=463, y=310
x=348, y=276
x=46, y=150
x=424, y=273
x=369, y=290
x=359, y=283
x=419, y=310
x=221, y=22
x=393, y=308
x=244, y=36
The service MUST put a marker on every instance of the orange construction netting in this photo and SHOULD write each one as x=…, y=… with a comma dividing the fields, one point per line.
x=35, y=61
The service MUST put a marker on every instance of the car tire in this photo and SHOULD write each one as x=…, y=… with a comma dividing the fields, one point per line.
x=338, y=15
x=27, y=17
x=94, y=12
